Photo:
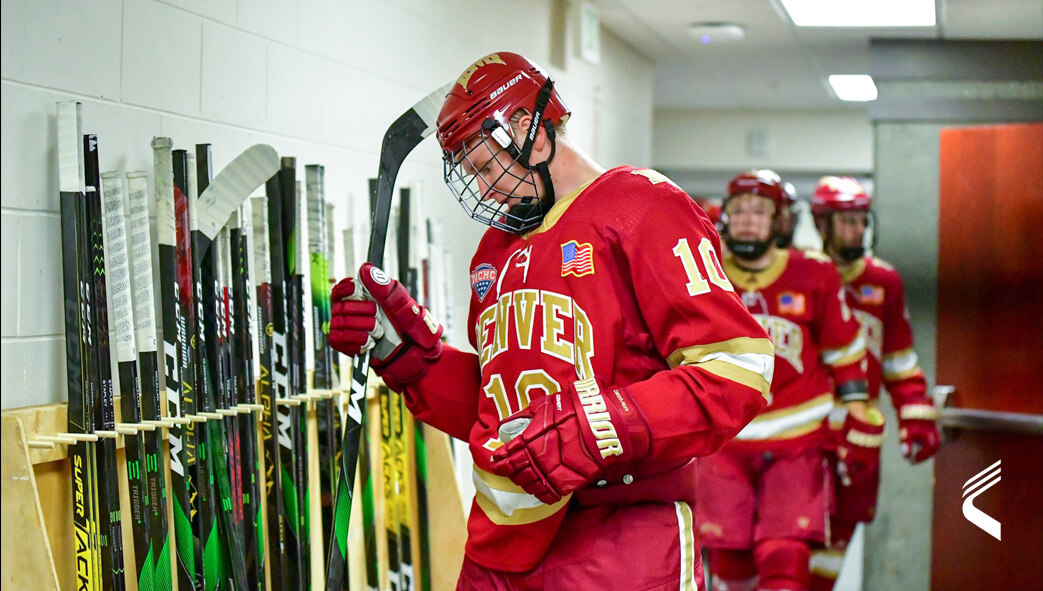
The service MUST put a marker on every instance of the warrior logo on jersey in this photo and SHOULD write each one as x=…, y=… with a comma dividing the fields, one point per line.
x=577, y=259
x=791, y=304
x=871, y=295
x=482, y=279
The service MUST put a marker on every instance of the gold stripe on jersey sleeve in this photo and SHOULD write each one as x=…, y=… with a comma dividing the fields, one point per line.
x=787, y=423
x=845, y=355
x=737, y=374
x=745, y=360
x=734, y=346
x=518, y=516
x=900, y=365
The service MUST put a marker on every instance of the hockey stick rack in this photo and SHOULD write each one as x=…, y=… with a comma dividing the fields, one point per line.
x=38, y=550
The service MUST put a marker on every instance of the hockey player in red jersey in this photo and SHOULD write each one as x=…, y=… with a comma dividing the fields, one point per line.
x=611, y=350
x=762, y=498
x=874, y=292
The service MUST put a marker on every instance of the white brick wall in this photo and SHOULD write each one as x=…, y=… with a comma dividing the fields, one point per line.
x=317, y=79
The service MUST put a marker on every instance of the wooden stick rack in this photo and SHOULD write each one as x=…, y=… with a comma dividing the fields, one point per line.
x=36, y=500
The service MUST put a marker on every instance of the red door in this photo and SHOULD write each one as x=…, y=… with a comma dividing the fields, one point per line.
x=988, y=492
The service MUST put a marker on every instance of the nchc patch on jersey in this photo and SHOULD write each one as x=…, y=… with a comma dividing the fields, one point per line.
x=621, y=294
x=483, y=277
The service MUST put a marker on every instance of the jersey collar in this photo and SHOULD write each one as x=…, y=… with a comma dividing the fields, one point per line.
x=753, y=280
x=561, y=204
x=851, y=271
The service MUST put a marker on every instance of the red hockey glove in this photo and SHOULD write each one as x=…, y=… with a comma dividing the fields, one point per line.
x=562, y=442
x=376, y=312
x=858, y=451
x=917, y=431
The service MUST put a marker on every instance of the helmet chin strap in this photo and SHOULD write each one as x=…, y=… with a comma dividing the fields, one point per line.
x=526, y=205
x=748, y=250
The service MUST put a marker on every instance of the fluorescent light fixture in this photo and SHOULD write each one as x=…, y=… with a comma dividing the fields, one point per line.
x=853, y=87
x=861, y=13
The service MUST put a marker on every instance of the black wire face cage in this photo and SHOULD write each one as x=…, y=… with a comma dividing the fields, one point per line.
x=521, y=207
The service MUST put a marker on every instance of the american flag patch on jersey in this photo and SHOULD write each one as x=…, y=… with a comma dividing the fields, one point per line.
x=791, y=303
x=482, y=279
x=871, y=294
x=577, y=259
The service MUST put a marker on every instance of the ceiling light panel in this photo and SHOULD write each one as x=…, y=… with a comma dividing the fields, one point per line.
x=861, y=13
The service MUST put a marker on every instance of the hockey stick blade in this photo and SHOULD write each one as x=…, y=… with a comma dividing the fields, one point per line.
x=404, y=134
x=233, y=185
x=401, y=137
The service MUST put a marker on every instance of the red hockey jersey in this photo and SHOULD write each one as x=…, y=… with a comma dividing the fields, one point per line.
x=621, y=281
x=876, y=296
x=818, y=348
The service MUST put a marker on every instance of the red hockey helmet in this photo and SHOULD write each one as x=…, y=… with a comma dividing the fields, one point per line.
x=842, y=193
x=763, y=182
x=480, y=105
x=494, y=87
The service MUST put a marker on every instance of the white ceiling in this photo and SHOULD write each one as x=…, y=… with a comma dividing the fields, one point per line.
x=778, y=65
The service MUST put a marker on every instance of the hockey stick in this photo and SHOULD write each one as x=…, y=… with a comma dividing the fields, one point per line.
x=404, y=134
x=140, y=245
x=175, y=353
x=112, y=557
x=276, y=519
x=203, y=514
x=81, y=454
x=244, y=375
x=287, y=416
x=320, y=311
x=212, y=382
x=118, y=278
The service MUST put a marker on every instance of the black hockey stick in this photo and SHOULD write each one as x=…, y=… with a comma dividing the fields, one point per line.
x=75, y=287
x=320, y=312
x=243, y=369
x=404, y=134
x=140, y=245
x=175, y=354
x=276, y=540
x=279, y=189
x=203, y=514
x=211, y=377
x=112, y=557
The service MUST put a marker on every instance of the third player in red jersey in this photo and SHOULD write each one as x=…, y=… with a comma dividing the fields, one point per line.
x=874, y=291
